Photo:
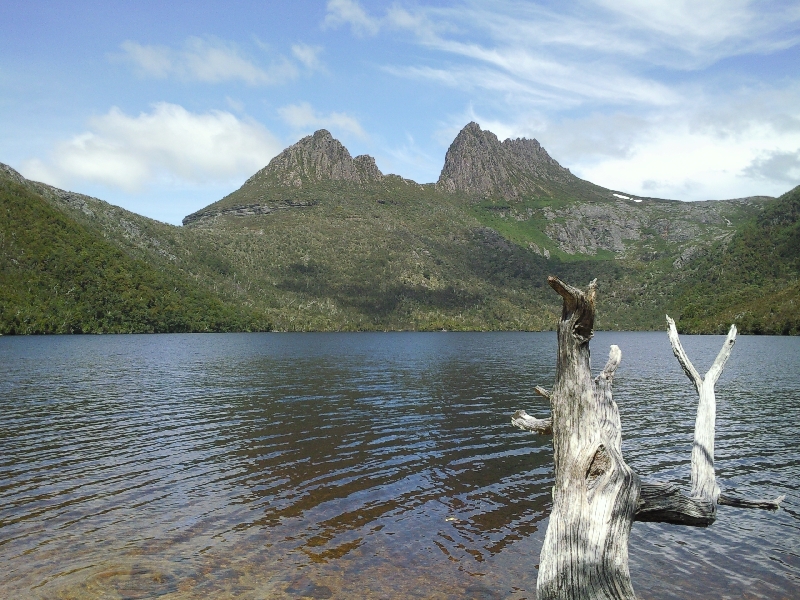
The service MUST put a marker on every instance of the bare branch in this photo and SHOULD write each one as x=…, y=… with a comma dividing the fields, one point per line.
x=680, y=354
x=614, y=358
x=607, y=412
x=567, y=292
x=719, y=363
x=578, y=310
x=542, y=392
x=524, y=421
x=704, y=484
x=731, y=500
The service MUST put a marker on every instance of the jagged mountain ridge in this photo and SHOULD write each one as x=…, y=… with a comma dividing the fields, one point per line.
x=549, y=209
x=479, y=164
x=316, y=158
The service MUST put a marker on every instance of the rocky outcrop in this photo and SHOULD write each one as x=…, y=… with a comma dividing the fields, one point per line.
x=248, y=210
x=317, y=157
x=9, y=173
x=478, y=163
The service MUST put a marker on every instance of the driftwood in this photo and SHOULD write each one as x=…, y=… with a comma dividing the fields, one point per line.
x=597, y=496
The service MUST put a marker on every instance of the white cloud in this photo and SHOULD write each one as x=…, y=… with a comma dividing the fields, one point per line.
x=303, y=117
x=155, y=61
x=707, y=31
x=349, y=12
x=308, y=55
x=207, y=60
x=167, y=144
x=678, y=162
x=597, y=52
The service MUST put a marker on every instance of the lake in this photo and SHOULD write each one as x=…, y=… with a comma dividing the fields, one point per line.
x=364, y=465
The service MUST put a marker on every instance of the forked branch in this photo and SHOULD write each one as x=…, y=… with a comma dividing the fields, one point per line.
x=704, y=485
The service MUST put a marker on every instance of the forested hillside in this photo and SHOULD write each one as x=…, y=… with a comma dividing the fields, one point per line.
x=753, y=281
x=57, y=276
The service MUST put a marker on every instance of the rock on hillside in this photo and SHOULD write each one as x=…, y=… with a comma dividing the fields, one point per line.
x=9, y=173
x=477, y=163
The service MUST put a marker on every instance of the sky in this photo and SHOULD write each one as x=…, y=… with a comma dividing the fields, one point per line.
x=166, y=107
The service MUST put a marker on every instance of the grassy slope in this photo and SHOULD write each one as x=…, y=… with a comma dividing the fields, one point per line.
x=394, y=255
x=753, y=281
x=397, y=255
x=58, y=276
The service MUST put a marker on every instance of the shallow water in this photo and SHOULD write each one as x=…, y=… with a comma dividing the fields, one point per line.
x=363, y=465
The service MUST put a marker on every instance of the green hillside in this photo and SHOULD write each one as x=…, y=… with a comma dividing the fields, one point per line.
x=57, y=276
x=398, y=255
x=753, y=281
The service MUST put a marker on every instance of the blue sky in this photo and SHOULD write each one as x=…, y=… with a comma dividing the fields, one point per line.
x=164, y=108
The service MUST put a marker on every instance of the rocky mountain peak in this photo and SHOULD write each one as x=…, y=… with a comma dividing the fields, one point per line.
x=318, y=157
x=9, y=173
x=478, y=163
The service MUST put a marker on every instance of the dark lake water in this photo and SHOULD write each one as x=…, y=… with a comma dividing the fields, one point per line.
x=363, y=465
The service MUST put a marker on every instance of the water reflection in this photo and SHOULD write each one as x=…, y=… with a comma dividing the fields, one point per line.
x=359, y=465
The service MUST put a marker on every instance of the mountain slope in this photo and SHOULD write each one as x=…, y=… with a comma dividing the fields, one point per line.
x=58, y=276
x=292, y=178
x=754, y=280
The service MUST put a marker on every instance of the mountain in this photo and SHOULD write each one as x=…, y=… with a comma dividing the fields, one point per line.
x=478, y=164
x=319, y=240
x=58, y=275
x=315, y=159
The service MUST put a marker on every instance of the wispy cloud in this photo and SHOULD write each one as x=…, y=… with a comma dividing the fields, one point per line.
x=211, y=60
x=349, y=12
x=168, y=143
x=596, y=51
x=308, y=55
x=627, y=93
x=704, y=32
x=304, y=118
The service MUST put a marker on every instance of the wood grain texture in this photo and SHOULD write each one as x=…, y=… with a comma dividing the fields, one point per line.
x=585, y=551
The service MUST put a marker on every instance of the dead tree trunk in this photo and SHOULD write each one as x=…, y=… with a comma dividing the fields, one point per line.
x=596, y=496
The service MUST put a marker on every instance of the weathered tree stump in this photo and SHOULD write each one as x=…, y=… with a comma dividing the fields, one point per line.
x=597, y=496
